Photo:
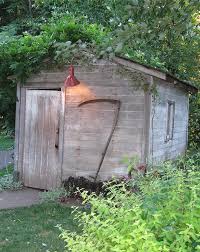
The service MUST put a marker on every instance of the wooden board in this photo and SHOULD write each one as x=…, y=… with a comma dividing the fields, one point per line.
x=160, y=149
x=17, y=128
x=87, y=129
x=41, y=158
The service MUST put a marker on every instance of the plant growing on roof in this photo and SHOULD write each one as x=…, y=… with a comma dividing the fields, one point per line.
x=76, y=53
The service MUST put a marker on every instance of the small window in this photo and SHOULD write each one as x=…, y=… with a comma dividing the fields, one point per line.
x=170, y=120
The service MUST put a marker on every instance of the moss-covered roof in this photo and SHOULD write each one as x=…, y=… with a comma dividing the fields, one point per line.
x=163, y=74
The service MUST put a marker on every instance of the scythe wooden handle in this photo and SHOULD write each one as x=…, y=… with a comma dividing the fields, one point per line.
x=117, y=109
x=57, y=138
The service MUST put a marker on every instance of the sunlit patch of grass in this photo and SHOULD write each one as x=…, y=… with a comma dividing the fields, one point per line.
x=33, y=229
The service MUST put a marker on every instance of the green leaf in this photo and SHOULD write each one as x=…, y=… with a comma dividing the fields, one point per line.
x=119, y=48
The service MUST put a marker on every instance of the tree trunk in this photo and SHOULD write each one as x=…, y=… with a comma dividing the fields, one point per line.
x=30, y=7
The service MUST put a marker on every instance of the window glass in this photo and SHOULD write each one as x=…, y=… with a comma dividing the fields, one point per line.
x=170, y=120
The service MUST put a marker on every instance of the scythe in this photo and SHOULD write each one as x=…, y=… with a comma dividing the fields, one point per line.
x=116, y=116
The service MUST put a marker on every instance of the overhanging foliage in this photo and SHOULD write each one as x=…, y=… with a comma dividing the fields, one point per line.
x=164, y=34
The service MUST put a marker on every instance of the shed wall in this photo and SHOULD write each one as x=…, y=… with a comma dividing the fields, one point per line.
x=160, y=149
x=87, y=128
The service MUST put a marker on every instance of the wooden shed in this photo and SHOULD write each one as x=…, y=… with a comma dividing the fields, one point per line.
x=129, y=108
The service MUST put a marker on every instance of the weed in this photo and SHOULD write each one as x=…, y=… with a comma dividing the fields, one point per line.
x=54, y=195
x=7, y=183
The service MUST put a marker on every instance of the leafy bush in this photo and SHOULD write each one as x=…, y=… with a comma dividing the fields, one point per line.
x=7, y=180
x=164, y=35
x=194, y=121
x=19, y=57
x=64, y=28
x=54, y=195
x=162, y=216
x=191, y=160
x=12, y=9
x=7, y=183
x=95, y=11
x=6, y=142
x=131, y=164
x=22, y=55
x=7, y=170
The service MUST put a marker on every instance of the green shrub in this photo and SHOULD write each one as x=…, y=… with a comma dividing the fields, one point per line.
x=163, y=215
x=95, y=11
x=190, y=161
x=7, y=180
x=194, y=121
x=7, y=183
x=54, y=195
x=131, y=164
x=6, y=142
x=64, y=28
x=7, y=170
x=20, y=56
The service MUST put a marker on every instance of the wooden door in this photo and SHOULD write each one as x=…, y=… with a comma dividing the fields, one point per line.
x=41, y=157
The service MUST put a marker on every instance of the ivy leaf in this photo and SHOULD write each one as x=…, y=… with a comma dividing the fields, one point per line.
x=109, y=49
x=161, y=36
x=135, y=2
x=68, y=43
x=119, y=47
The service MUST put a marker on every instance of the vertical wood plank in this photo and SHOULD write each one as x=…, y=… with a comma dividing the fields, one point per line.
x=41, y=159
x=21, y=131
x=61, y=129
x=147, y=127
x=17, y=128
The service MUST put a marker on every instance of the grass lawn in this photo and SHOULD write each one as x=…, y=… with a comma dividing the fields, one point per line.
x=33, y=229
x=6, y=142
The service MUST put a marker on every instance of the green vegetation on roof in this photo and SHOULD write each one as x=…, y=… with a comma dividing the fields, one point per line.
x=162, y=34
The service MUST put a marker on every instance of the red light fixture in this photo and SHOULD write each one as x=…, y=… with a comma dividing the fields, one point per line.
x=71, y=80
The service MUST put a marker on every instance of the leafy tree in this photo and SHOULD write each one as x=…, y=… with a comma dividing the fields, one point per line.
x=22, y=55
x=95, y=10
x=161, y=33
x=194, y=122
x=13, y=9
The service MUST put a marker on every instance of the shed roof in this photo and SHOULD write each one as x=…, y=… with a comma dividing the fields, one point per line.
x=131, y=64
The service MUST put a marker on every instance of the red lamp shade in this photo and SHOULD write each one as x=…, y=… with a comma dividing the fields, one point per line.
x=71, y=80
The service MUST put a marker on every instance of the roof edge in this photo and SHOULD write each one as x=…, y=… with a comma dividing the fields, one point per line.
x=161, y=74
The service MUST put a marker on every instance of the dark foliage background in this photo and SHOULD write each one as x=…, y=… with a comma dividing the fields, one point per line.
x=164, y=34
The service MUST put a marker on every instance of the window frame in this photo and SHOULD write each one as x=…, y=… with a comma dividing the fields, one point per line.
x=170, y=120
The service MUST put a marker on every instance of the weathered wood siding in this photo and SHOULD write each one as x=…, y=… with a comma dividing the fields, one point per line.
x=160, y=149
x=141, y=128
x=41, y=162
x=87, y=128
